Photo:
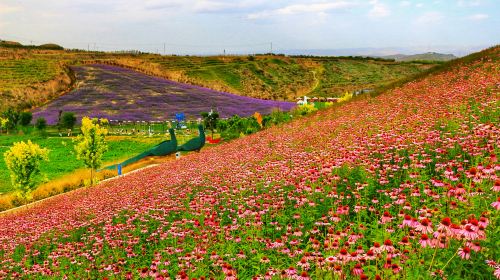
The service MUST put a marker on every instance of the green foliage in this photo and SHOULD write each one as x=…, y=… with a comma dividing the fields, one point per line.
x=68, y=120
x=91, y=144
x=12, y=117
x=41, y=124
x=236, y=126
x=23, y=161
x=210, y=120
x=276, y=117
x=25, y=118
x=305, y=109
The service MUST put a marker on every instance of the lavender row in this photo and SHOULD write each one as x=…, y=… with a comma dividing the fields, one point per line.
x=117, y=93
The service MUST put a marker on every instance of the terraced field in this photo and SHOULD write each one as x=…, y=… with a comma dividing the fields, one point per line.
x=25, y=72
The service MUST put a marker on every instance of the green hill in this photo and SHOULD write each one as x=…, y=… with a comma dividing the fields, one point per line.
x=31, y=77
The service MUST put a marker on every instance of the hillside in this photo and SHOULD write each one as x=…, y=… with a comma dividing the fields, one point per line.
x=117, y=93
x=30, y=78
x=17, y=45
x=403, y=185
x=430, y=56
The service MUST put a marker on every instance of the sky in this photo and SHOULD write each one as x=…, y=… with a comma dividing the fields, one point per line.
x=251, y=26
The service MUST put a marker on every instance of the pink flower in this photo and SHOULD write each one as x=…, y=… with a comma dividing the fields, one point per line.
x=496, y=204
x=425, y=226
x=386, y=218
x=470, y=232
x=303, y=264
x=464, y=252
x=425, y=241
x=357, y=269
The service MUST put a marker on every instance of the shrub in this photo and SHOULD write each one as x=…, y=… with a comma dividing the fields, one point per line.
x=12, y=117
x=41, y=124
x=25, y=118
x=68, y=120
x=210, y=120
x=305, y=109
x=23, y=161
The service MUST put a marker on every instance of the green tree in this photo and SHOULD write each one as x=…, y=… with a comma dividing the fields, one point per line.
x=41, y=124
x=13, y=118
x=68, y=120
x=25, y=118
x=210, y=120
x=23, y=161
x=91, y=144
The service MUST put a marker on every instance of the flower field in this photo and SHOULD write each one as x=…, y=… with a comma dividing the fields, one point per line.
x=404, y=185
x=121, y=94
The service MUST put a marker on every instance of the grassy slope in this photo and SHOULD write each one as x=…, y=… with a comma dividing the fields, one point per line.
x=30, y=78
x=279, y=77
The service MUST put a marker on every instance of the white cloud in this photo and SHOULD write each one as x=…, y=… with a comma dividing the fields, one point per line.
x=224, y=6
x=378, y=10
x=419, y=5
x=429, y=18
x=315, y=8
x=469, y=3
x=405, y=3
x=478, y=17
x=7, y=9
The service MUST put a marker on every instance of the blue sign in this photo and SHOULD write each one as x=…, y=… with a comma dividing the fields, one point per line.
x=119, y=169
x=180, y=117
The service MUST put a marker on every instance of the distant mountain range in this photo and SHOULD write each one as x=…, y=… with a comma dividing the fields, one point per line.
x=423, y=56
x=392, y=51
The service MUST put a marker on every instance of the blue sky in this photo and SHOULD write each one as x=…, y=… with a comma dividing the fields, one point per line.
x=210, y=26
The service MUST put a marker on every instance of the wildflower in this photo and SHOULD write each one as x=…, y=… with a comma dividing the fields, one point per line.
x=464, y=252
x=303, y=264
x=291, y=271
x=330, y=259
x=469, y=232
x=475, y=246
x=386, y=218
x=376, y=248
x=303, y=276
x=357, y=269
x=388, y=246
x=425, y=241
x=404, y=241
x=425, y=226
x=496, y=204
x=396, y=268
x=407, y=221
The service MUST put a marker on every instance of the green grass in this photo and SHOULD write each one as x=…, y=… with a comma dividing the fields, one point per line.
x=348, y=75
x=279, y=77
x=62, y=158
x=20, y=73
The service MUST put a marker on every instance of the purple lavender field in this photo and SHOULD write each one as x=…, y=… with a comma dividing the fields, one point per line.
x=118, y=93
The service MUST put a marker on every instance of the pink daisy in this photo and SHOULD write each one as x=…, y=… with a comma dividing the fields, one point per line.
x=464, y=252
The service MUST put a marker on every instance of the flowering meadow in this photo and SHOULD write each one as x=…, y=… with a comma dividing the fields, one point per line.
x=116, y=93
x=404, y=185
